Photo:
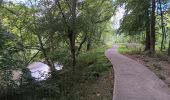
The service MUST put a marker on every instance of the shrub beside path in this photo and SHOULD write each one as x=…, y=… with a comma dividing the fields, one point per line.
x=133, y=81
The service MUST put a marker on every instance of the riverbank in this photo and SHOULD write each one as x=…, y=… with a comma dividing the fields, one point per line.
x=91, y=79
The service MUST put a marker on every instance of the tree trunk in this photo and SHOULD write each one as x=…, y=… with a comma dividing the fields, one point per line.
x=81, y=44
x=147, y=44
x=71, y=27
x=152, y=32
x=47, y=59
x=169, y=49
x=162, y=26
x=71, y=36
x=53, y=73
x=72, y=32
x=147, y=25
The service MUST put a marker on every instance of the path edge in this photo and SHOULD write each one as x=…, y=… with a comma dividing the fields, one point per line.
x=113, y=77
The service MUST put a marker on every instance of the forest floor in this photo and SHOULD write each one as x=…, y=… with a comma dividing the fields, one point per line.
x=159, y=65
x=101, y=89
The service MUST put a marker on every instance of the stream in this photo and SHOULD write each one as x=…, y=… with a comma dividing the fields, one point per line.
x=39, y=71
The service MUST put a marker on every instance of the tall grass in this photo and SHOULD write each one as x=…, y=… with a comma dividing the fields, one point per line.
x=131, y=48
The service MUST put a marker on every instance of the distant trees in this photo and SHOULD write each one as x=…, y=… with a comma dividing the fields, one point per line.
x=162, y=23
x=142, y=16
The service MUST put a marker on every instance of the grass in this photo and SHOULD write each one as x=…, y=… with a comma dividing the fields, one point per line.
x=131, y=48
x=123, y=49
x=139, y=49
x=91, y=79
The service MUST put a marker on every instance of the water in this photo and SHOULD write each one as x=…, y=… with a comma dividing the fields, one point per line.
x=40, y=71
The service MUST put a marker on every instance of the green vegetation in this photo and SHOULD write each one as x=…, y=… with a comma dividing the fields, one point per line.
x=146, y=23
x=123, y=49
x=133, y=49
x=130, y=48
x=74, y=33
x=69, y=32
x=76, y=84
x=72, y=84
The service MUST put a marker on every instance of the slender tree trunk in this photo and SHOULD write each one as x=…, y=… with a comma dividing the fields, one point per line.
x=162, y=25
x=72, y=32
x=169, y=49
x=81, y=44
x=51, y=58
x=165, y=38
x=147, y=25
x=147, y=44
x=47, y=59
x=44, y=52
x=71, y=28
x=71, y=36
x=152, y=32
x=32, y=58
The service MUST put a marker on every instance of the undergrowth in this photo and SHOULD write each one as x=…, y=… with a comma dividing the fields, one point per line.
x=89, y=67
x=130, y=48
x=139, y=49
x=71, y=82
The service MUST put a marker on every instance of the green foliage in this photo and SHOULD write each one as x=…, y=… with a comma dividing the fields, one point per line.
x=55, y=31
x=95, y=60
x=135, y=16
x=45, y=90
x=10, y=58
x=123, y=49
x=89, y=67
x=130, y=48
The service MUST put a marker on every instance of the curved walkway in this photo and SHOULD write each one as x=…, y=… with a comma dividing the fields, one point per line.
x=133, y=81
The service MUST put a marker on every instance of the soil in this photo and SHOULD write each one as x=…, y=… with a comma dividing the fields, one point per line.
x=102, y=89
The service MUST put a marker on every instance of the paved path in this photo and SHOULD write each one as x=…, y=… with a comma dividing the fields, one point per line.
x=133, y=81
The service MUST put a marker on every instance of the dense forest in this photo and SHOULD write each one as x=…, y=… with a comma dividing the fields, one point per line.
x=73, y=34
